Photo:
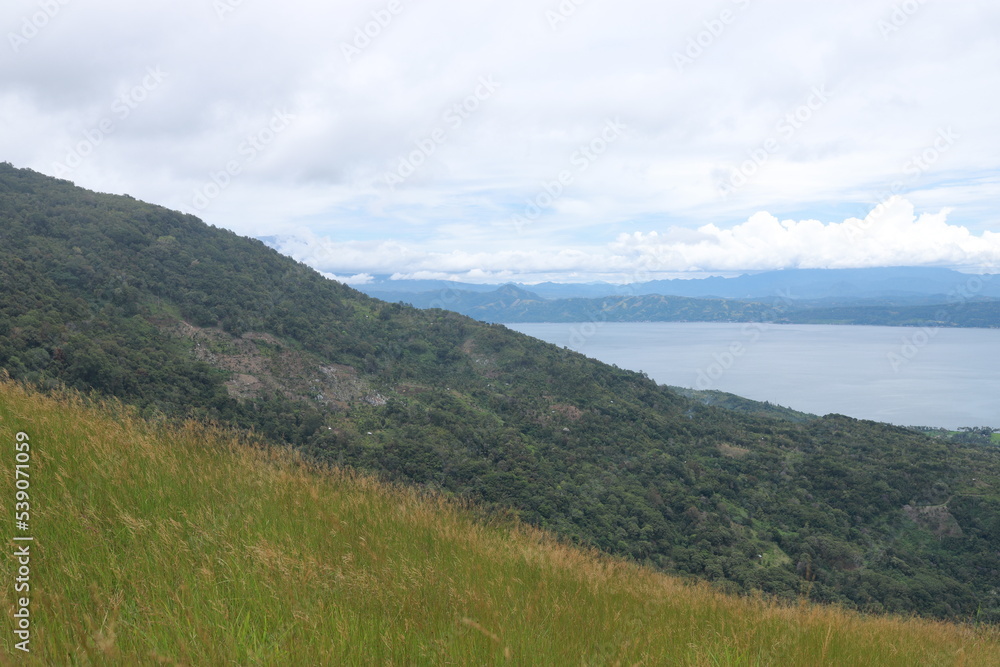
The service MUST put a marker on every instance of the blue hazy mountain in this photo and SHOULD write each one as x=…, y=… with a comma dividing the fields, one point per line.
x=845, y=286
x=890, y=297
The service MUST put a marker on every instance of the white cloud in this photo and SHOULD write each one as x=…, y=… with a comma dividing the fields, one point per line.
x=687, y=129
x=357, y=279
x=892, y=234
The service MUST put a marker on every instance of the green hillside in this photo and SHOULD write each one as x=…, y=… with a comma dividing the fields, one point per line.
x=105, y=293
x=183, y=545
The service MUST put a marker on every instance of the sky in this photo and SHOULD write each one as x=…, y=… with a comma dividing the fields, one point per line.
x=529, y=140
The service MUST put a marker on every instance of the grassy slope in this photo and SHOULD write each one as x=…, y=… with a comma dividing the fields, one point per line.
x=186, y=545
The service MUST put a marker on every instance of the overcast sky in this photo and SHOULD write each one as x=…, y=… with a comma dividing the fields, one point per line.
x=529, y=139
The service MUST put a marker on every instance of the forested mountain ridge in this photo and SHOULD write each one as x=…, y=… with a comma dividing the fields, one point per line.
x=513, y=304
x=106, y=293
x=810, y=285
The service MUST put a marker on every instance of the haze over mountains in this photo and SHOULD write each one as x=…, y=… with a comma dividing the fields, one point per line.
x=793, y=284
x=913, y=296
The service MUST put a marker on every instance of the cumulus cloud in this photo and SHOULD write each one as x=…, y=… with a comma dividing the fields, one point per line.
x=357, y=279
x=892, y=234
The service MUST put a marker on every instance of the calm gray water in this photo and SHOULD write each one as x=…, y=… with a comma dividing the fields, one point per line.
x=929, y=377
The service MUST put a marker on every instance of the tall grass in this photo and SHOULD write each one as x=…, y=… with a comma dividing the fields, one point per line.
x=186, y=546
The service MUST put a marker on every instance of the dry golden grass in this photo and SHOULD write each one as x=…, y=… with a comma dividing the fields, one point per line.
x=187, y=546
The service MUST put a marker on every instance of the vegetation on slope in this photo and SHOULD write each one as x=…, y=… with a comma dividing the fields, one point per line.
x=181, y=319
x=188, y=546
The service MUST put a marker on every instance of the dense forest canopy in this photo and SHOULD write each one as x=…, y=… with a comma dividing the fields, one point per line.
x=108, y=294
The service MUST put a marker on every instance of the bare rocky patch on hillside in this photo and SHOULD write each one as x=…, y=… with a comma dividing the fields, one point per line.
x=261, y=364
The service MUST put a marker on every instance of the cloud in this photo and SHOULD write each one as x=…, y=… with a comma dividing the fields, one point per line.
x=357, y=279
x=413, y=260
x=355, y=119
x=892, y=234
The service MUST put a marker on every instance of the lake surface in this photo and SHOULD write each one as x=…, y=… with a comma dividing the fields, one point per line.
x=928, y=377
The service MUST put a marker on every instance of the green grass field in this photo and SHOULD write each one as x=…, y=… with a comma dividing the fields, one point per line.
x=186, y=546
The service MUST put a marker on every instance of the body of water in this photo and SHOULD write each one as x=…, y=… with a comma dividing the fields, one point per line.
x=929, y=377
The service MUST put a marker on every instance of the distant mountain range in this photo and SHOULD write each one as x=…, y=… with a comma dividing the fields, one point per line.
x=892, y=283
x=908, y=296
